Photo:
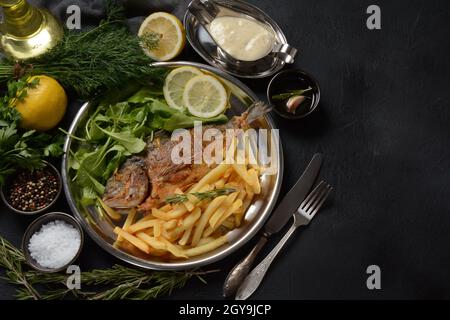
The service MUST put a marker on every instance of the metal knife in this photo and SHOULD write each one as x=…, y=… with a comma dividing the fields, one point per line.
x=277, y=221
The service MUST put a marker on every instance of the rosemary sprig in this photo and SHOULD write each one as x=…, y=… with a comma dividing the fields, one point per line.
x=11, y=259
x=291, y=93
x=180, y=198
x=117, y=282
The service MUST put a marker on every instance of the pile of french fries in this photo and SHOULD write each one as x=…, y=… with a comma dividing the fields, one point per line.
x=194, y=227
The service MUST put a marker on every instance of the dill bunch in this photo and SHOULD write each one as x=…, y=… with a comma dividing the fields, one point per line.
x=91, y=62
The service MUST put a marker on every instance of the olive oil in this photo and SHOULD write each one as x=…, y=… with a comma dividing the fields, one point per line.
x=26, y=31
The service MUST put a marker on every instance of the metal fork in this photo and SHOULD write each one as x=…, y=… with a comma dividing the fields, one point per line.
x=302, y=217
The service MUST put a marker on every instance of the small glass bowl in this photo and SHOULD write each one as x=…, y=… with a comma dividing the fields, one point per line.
x=3, y=192
x=36, y=226
x=293, y=79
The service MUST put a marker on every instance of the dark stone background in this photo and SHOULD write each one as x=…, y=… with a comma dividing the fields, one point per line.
x=383, y=125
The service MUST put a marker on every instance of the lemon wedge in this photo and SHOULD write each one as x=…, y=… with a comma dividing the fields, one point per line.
x=205, y=96
x=171, y=34
x=175, y=84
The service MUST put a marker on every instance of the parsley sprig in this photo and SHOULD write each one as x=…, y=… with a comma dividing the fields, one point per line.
x=20, y=148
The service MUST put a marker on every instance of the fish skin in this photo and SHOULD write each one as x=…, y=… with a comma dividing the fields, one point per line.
x=128, y=187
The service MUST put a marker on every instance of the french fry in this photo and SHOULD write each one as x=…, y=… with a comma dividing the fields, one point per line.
x=172, y=235
x=166, y=208
x=157, y=229
x=238, y=219
x=241, y=170
x=170, y=224
x=227, y=173
x=234, y=207
x=128, y=222
x=151, y=241
x=207, y=247
x=228, y=224
x=247, y=202
x=177, y=212
x=255, y=181
x=146, y=217
x=206, y=240
x=213, y=175
x=213, y=222
x=242, y=194
x=142, y=226
x=209, y=231
x=212, y=206
x=113, y=214
x=191, y=219
x=219, y=184
x=186, y=235
x=173, y=249
x=138, y=243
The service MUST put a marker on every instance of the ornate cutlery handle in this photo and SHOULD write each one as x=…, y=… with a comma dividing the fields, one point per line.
x=240, y=271
x=253, y=280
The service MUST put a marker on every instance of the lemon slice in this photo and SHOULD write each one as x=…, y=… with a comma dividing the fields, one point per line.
x=205, y=96
x=171, y=35
x=175, y=84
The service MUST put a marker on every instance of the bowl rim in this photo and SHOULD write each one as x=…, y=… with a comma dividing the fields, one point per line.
x=39, y=222
x=185, y=264
x=287, y=71
x=32, y=213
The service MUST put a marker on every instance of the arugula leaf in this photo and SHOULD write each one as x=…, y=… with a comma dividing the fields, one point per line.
x=128, y=140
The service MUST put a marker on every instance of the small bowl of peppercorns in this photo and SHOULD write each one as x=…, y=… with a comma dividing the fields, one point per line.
x=31, y=192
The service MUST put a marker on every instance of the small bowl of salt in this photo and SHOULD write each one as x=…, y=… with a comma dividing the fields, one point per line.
x=52, y=242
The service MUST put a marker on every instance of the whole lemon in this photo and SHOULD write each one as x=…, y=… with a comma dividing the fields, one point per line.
x=44, y=105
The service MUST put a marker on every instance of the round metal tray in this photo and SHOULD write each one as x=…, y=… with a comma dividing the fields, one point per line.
x=102, y=231
x=207, y=48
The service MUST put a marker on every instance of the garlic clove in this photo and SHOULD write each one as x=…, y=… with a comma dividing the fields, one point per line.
x=294, y=102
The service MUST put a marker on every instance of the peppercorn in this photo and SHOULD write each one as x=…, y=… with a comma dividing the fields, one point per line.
x=33, y=190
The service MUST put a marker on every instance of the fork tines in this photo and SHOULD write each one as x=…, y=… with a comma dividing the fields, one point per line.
x=315, y=199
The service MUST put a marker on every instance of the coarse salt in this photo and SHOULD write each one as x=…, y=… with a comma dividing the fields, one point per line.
x=55, y=244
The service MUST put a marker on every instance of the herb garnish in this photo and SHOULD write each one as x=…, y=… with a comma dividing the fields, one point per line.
x=180, y=198
x=150, y=40
x=291, y=93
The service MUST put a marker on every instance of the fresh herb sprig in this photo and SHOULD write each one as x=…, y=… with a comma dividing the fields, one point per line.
x=180, y=198
x=290, y=94
x=117, y=282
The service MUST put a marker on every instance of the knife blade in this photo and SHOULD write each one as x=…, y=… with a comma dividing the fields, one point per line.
x=294, y=197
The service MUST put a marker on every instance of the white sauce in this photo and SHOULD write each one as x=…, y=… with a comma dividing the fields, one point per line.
x=242, y=38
